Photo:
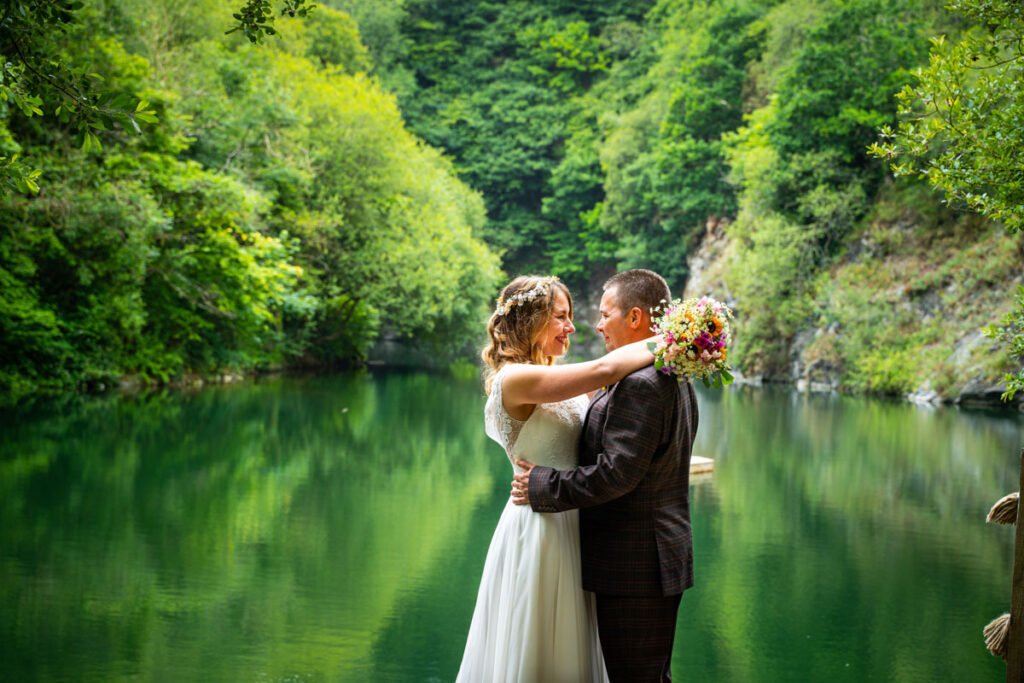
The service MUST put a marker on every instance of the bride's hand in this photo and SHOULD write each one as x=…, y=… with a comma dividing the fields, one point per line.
x=521, y=483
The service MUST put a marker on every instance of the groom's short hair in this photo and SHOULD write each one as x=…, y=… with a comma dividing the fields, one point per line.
x=639, y=287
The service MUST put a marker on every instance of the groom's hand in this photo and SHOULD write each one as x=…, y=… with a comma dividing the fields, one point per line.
x=521, y=483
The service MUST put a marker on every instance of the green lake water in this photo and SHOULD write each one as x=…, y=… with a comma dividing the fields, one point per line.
x=335, y=528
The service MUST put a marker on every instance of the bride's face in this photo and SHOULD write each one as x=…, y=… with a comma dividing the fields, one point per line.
x=555, y=337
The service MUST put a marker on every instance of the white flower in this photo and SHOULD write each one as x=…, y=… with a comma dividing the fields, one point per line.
x=541, y=289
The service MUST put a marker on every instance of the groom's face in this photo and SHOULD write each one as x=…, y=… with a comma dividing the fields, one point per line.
x=613, y=325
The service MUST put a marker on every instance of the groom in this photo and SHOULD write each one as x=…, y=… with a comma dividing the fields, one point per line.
x=632, y=485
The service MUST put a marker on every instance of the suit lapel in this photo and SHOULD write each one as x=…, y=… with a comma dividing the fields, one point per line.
x=597, y=397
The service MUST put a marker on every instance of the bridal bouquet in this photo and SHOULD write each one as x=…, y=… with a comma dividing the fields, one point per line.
x=693, y=338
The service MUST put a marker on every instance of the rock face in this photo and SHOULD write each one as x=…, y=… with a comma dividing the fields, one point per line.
x=981, y=393
x=809, y=369
x=925, y=396
x=709, y=264
x=961, y=355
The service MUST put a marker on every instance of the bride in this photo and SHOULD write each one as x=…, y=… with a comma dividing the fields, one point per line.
x=533, y=622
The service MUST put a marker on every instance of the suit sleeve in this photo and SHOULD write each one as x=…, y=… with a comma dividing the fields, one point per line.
x=633, y=432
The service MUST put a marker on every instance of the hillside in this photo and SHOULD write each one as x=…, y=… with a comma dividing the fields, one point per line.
x=611, y=135
x=899, y=311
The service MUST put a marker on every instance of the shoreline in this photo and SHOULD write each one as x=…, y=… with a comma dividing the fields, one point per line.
x=977, y=396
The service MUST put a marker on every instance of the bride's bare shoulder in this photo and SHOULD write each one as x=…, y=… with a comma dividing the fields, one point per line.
x=511, y=375
x=519, y=373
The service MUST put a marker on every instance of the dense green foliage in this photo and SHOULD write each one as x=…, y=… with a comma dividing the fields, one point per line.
x=605, y=134
x=615, y=135
x=800, y=162
x=506, y=89
x=961, y=130
x=276, y=213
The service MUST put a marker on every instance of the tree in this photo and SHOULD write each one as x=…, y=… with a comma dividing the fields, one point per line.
x=961, y=130
x=276, y=212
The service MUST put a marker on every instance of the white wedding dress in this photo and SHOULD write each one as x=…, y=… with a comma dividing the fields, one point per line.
x=533, y=623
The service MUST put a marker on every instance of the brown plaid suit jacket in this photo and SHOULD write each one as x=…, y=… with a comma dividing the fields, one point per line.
x=632, y=485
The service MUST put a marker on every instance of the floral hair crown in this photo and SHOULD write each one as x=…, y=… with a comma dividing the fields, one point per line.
x=540, y=289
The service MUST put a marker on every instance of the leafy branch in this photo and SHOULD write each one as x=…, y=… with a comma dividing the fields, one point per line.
x=36, y=79
x=256, y=17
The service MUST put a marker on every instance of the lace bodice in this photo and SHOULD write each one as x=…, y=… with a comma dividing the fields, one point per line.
x=548, y=437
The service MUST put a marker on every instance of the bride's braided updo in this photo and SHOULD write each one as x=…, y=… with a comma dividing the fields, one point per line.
x=514, y=329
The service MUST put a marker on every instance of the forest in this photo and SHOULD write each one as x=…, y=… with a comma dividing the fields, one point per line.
x=183, y=199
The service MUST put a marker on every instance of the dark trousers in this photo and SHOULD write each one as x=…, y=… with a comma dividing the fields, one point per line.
x=636, y=636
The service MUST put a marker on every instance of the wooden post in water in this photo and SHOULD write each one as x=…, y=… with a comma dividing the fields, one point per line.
x=1015, y=646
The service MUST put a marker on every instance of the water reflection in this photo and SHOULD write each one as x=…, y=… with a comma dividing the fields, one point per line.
x=253, y=531
x=844, y=539
x=334, y=529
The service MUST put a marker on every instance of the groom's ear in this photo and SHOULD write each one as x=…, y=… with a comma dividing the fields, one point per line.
x=635, y=318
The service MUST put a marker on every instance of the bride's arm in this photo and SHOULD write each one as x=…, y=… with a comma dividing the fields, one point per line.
x=532, y=384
